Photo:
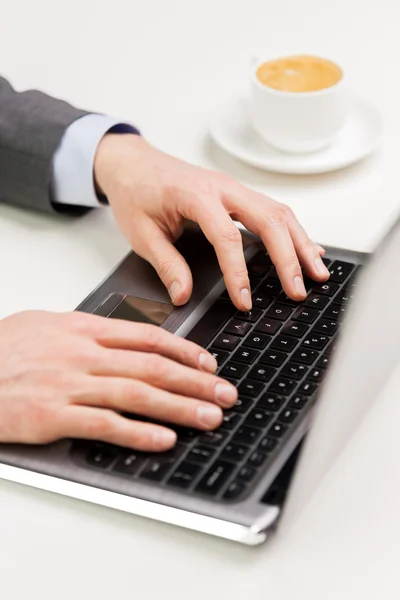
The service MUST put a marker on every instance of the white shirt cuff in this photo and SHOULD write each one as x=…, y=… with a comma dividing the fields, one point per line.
x=72, y=177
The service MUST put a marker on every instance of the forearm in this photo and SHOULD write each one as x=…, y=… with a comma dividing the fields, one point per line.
x=32, y=125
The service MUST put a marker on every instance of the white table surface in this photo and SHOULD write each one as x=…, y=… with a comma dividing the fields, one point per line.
x=165, y=65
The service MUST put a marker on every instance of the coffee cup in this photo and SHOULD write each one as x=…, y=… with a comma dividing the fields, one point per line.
x=298, y=103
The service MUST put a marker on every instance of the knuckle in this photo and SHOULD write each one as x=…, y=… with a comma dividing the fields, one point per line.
x=165, y=266
x=231, y=234
x=240, y=274
x=158, y=365
x=276, y=217
x=308, y=245
x=101, y=425
x=292, y=263
x=151, y=337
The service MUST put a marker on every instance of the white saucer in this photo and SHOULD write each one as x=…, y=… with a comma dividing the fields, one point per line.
x=231, y=129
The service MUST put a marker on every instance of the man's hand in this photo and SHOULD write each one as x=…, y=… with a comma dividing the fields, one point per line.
x=71, y=375
x=152, y=193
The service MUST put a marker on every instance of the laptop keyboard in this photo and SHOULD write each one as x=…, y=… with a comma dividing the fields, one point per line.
x=277, y=355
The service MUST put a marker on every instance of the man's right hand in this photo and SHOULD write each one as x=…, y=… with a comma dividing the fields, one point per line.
x=71, y=375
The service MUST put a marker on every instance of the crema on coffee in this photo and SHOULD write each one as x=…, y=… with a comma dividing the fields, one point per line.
x=299, y=74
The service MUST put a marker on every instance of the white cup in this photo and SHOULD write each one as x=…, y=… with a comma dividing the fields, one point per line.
x=297, y=121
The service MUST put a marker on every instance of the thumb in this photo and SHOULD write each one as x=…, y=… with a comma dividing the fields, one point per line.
x=173, y=270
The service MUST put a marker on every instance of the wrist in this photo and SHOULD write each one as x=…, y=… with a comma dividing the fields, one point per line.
x=110, y=156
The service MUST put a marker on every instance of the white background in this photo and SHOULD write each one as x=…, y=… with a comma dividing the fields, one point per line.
x=165, y=65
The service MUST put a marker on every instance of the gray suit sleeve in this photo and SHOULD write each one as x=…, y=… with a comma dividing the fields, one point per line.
x=32, y=125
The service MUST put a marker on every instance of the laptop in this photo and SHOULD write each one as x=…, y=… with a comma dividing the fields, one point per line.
x=303, y=370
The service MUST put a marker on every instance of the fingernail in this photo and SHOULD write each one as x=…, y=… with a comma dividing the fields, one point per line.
x=164, y=438
x=299, y=286
x=320, y=267
x=209, y=415
x=174, y=291
x=225, y=394
x=246, y=298
x=321, y=250
x=207, y=362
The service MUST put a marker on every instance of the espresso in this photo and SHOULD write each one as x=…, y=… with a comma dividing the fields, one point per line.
x=299, y=74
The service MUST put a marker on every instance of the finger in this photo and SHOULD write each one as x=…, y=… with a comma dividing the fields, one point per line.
x=223, y=234
x=137, y=397
x=155, y=247
x=166, y=374
x=89, y=423
x=308, y=252
x=321, y=250
x=270, y=224
x=114, y=333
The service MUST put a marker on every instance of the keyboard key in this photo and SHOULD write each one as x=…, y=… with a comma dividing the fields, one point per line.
x=305, y=315
x=237, y=327
x=186, y=435
x=298, y=402
x=317, y=375
x=271, y=286
x=246, y=474
x=262, y=373
x=268, y=326
x=277, y=430
x=295, y=329
x=234, y=452
x=273, y=358
x=304, y=356
x=288, y=415
x=335, y=311
x=215, y=478
x=317, y=301
x=226, y=341
x=184, y=475
x=214, y=438
x=101, y=456
x=233, y=370
x=326, y=326
x=316, y=341
x=246, y=435
x=283, y=386
x=156, y=470
x=129, y=463
x=326, y=261
x=267, y=444
x=284, y=343
x=340, y=270
x=279, y=311
x=219, y=355
x=283, y=299
x=328, y=288
x=258, y=418
x=323, y=361
x=261, y=300
x=257, y=459
x=250, y=388
x=271, y=402
x=234, y=489
x=258, y=341
x=259, y=265
x=307, y=388
x=201, y=454
x=246, y=355
x=214, y=319
x=293, y=370
x=230, y=421
x=343, y=298
x=242, y=405
x=250, y=315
